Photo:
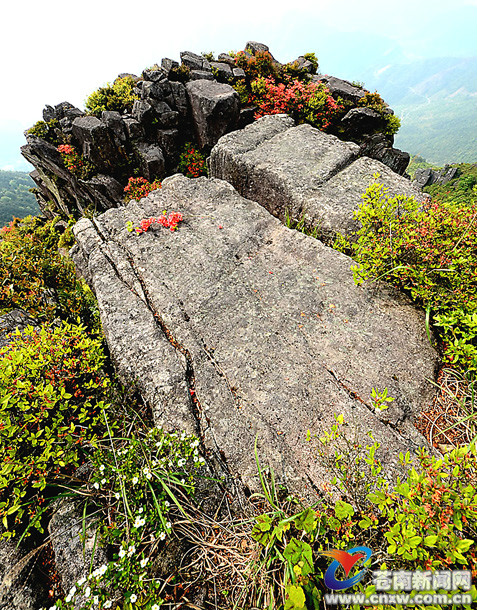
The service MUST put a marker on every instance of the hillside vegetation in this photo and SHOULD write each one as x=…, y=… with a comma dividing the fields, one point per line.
x=15, y=197
x=435, y=100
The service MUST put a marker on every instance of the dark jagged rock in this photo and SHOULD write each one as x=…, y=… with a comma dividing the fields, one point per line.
x=201, y=75
x=22, y=586
x=301, y=173
x=194, y=61
x=115, y=144
x=97, y=143
x=267, y=322
x=214, y=108
x=378, y=147
x=254, y=47
x=341, y=88
x=17, y=319
x=151, y=161
x=222, y=71
x=361, y=122
x=427, y=177
x=167, y=64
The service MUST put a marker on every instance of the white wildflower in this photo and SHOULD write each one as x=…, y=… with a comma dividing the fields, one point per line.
x=135, y=480
x=96, y=485
x=109, y=603
x=143, y=562
x=139, y=522
x=133, y=598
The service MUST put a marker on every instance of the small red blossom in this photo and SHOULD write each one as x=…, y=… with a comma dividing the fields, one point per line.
x=168, y=222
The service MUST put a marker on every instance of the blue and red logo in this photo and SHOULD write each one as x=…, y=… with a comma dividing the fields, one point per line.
x=346, y=559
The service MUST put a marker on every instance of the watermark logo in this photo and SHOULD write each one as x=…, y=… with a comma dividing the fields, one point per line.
x=347, y=560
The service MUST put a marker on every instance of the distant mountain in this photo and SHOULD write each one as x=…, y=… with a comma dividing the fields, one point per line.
x=436, y=100
x=15, y=197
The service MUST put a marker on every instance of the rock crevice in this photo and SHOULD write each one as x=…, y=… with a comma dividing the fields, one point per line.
x=263, y=324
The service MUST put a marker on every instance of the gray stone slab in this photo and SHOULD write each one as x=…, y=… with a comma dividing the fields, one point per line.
x=239, y=328
x=298, y=170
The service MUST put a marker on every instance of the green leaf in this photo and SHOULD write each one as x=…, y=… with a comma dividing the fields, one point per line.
x=306, y=520
x=430, y=540
x=295, y=598
x=298, y=551
x=261, y=530
x=343, y=510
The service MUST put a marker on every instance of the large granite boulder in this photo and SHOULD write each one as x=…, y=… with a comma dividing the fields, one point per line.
x=300, y=172
x=214, y=107
x=238, y=328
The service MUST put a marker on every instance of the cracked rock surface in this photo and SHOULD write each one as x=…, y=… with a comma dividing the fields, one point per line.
x=299, y=170
x=236, y=328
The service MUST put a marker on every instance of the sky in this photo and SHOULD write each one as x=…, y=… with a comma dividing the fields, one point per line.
x=54, y=51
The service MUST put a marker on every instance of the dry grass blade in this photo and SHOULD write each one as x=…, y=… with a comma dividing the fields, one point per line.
x=452, y=419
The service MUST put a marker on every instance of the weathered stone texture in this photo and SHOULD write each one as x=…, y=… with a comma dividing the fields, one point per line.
x=260, y=324
x=296, y=171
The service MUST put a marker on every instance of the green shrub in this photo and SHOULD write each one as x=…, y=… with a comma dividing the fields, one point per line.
x=48, y=131
x=429, y=251
x=376, y=102
x=137, y=488
x=425, y=521
x=51, y=390
x=119, y=96
x=192, y=162
x=311, y=57
x=31, y=263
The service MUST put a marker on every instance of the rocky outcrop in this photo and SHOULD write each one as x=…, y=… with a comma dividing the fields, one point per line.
x=215, y=109
x=22, y=586
x=194, y=101
x=428, y=177
x=301, y=173
x=238, y=328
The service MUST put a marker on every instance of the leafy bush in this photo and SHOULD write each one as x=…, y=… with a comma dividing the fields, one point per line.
x=259, y=65
x=427, y=249
x=31, y=264
x=119, y=96
x=305, y=102
x=51, y=390
x=192, y=162
x=48, y=131
x=376, y=102
x=137, y=188
x=74, y=162
x=426, y=521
